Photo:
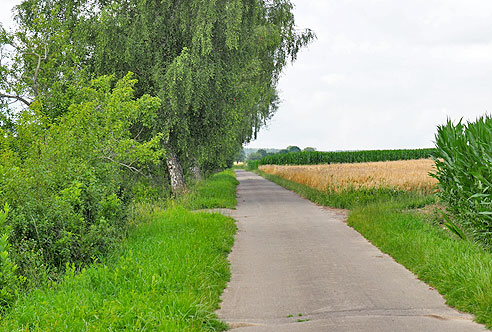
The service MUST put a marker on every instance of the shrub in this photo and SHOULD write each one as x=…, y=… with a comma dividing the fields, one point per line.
x=68, y=180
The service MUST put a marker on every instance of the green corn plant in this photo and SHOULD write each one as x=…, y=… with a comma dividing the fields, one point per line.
x=450, y=225
x=463, y=159
x=317, y=157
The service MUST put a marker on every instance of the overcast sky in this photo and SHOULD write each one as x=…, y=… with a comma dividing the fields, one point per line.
x=382, y=73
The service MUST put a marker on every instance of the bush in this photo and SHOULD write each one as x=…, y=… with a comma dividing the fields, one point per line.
x=10, y=283
x=68, y=180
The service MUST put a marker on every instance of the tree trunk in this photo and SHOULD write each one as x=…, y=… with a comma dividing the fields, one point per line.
x=195, y=171
x=175, y=172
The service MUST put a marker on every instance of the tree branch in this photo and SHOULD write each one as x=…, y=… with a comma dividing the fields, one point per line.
x=130, y=167
x=19, y=98
x=38, y=67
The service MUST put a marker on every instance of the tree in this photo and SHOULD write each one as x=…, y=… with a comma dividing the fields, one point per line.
x=262, y=152
x=293, y=148
x=254, y=156
x=309, y=149
x=214, y=65
x=240, y=156
x=41, y=59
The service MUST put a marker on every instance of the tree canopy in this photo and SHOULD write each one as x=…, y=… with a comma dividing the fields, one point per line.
x=214, y=64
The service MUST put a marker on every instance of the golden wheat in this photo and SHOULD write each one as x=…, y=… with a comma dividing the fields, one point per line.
x=404, y=174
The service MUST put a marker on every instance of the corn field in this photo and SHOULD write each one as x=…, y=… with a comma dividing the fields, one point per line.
x=316, y=157
x=464, y=170
x=403, y=175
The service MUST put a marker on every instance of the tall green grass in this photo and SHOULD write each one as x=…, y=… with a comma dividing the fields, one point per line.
x=218, y=191
x=464, y=170
x=459, y=269
x=316, y=157
x=166, y=276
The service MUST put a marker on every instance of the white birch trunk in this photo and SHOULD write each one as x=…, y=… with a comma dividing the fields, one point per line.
x=175, y=172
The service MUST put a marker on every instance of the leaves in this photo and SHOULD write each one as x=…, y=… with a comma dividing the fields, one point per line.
x=464, y=165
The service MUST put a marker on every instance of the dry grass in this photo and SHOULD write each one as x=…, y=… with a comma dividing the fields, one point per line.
x=405, y=175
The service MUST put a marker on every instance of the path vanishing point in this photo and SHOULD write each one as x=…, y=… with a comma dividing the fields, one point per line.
x=297, y=266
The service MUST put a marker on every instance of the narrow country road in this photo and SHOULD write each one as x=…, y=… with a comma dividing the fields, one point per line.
x=293, y=258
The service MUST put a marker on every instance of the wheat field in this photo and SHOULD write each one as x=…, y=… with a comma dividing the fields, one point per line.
x=402, y=174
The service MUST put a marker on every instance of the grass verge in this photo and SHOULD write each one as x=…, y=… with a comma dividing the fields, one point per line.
x=167, y=276
x=353, y=198
x=460, y=270
x=218, y=191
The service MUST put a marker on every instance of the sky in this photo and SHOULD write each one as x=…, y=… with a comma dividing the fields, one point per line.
x=382, y=74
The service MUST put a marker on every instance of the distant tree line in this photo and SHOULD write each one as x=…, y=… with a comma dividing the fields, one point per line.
x=260, y=153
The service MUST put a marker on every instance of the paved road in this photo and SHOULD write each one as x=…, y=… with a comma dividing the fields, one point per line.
x=292, y=258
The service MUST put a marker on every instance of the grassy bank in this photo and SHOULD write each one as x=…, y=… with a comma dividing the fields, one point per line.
x=167, y=276
x=218, y=191
x=460, y=270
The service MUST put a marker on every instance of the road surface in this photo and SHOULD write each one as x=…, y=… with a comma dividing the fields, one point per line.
x=298, y=267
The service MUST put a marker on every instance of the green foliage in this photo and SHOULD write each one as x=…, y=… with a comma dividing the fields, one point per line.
x=240, y=156
x=464, y=168
x=68, y=182
x=218, y=191
x=214, y=64
x=167, y=276
x=293, y=148
x=449, y=224
x=315, y=157
x=10, y=283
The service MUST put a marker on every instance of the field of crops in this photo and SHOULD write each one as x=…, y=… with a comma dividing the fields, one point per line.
x=403, y=174
x=316, y=157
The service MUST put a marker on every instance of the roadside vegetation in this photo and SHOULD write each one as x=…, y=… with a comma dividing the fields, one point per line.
x=167, y=275
x=464, y=171
x=442, y=235
x=112, y=111
x=218, y=191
